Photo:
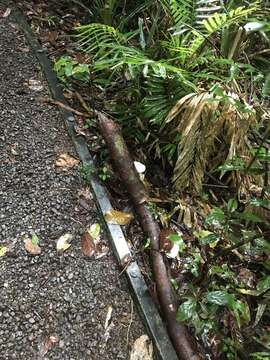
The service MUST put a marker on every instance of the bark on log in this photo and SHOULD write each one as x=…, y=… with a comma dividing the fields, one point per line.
x=184, y=344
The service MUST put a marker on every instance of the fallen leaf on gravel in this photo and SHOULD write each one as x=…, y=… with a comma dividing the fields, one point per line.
x=108, y=317
x=63, y=243
x=31, y=245
x=14, y=152
x=47, y=344
x=94, y=231
x=66, y=161
x=101, y=250
x=35, y=85
x=3, y=250
x=85, y=193
x=118, y=217
x=87, y=244
x=142, y=349
x=6, y=13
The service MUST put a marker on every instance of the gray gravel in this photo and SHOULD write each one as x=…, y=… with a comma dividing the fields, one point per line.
x=65, y=295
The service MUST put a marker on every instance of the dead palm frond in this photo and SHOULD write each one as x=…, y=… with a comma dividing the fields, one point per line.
x=206, y=124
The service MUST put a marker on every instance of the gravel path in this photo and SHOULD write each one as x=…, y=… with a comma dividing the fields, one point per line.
x=66, y=296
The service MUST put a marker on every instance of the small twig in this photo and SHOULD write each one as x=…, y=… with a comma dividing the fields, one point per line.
x=83, y=103
x=64, y=106
x=216, y=186
x=216, y=180
x=131, y=319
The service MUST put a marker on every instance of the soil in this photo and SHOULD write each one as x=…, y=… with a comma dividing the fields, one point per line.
x=63, y=295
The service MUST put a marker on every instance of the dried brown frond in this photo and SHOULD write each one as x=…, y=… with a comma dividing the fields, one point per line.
x=210, y=129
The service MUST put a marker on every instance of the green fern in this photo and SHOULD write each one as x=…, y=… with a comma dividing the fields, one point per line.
x=218, y=21
x=189, y=13
x=94, y=37
x=162, y=94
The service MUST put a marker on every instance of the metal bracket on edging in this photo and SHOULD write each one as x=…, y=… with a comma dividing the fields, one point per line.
x=151, y=317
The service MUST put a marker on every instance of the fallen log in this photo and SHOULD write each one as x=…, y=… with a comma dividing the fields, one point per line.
x=184, y=344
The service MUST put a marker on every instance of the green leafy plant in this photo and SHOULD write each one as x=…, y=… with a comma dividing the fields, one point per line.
x=171, y=74
x=67, y=68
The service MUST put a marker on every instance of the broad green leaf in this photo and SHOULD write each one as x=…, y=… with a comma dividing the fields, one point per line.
x=248, y=217
x=206, y=237
x=178, y=240
x=259, y=202
x=264, y=284
x=222, y=271
x=94, y=230
x=261, y=246
x=215, y=217
x=186, y=310
x=219, y=297
x=241, y=312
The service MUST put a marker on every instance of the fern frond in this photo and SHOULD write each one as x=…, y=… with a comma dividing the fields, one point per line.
x=218, y=21
x=188, y=14
x=161, y=95
x=93, y=37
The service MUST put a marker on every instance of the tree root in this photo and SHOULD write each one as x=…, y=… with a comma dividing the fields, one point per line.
x=184, y=344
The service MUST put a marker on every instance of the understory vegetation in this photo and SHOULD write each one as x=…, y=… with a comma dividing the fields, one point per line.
x=189, y=83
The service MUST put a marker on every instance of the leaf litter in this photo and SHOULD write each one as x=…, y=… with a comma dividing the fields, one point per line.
x=87, y=245
x=142, y=349
x=63, y=243
x=90, y=243
x=118, y=217
x=66, y=162
x=48, y=343
x=31, y=245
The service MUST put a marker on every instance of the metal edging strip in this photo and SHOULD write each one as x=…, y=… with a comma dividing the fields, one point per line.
x=151, y=317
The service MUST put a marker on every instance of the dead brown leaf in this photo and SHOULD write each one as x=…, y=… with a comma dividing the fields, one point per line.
x=52, y=36
x=31, y=248
x=66, y=161
x=85, y=193
x=47, y=344
x=81, y=58
x=88, y=245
